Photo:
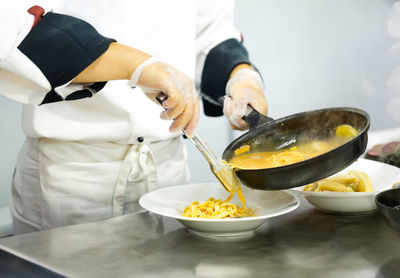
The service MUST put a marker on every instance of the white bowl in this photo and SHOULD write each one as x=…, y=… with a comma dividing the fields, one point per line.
x=171, y=201
x=382, y=175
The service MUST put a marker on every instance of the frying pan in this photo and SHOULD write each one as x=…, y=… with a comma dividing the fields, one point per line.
x=266, y=134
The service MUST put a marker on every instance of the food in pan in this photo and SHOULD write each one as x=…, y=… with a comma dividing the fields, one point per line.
x=244, y=159
x=243, y=149
x=260, y=160
x=352, y=181
x=218, y=209
x=346, y=131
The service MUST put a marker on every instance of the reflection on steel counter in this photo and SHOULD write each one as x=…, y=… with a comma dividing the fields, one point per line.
x=14, y=266
x=304, y=243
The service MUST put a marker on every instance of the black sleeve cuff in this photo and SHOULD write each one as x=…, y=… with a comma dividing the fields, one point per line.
x=87, y=91
x=62, y=46
x=219, y=63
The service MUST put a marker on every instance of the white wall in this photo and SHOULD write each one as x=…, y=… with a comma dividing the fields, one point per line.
x=10, y=140
x=312, y=54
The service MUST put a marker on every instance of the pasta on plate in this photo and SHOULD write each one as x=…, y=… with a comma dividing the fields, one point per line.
x=218, y=209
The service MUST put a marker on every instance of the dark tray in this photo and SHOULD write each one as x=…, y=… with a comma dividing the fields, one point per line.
x=387, y=153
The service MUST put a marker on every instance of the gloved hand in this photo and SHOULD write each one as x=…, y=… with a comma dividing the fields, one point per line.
x=243, y=88
x=182, y=105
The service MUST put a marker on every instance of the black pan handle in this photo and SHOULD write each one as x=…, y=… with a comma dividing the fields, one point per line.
x=161, y=97
x=253, y=118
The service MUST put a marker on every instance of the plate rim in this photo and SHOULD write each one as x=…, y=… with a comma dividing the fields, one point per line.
x=288, y=208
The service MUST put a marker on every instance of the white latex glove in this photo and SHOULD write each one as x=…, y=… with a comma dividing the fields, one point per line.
x=182, y=105
x=243, y=88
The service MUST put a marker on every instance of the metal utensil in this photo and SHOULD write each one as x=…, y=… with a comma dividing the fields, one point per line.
x=222, y=171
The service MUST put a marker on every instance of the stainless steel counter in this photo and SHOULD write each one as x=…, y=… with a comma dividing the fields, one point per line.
x=304, y=243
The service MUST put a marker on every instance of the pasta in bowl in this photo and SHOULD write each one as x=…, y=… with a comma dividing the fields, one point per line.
x=365, y=178
x=172, y=201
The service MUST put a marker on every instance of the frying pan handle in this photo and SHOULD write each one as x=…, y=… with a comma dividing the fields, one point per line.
x=161, y=97
x=253, y=118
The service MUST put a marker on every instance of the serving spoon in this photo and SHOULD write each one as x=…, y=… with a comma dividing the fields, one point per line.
x=221, y=169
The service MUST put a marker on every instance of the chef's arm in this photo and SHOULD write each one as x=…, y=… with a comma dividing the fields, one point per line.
x=41, y=53
x=228, y=71
x=245, y=88
x=223, y=66
x=221, y=61
x=117, y=63
x=239, y=67
x=152, y=76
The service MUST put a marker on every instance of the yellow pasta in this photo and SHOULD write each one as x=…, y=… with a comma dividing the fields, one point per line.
x=218, y=209
x=243, y=149
x=288, y=157
x=352, y=181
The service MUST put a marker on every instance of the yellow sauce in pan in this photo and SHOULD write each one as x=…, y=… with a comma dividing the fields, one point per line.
x=262, y=160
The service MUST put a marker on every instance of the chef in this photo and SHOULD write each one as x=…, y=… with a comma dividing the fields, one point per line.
x=92, y=158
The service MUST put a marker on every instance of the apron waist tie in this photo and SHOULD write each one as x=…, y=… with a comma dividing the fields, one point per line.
x=137, y=169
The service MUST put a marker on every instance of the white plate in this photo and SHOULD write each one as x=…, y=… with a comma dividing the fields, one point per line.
x=382, y=175
x=171, y=201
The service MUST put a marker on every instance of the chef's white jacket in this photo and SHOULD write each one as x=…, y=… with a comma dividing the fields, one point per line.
x=92, y=158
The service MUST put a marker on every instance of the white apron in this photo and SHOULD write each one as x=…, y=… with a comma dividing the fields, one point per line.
x=58, y=183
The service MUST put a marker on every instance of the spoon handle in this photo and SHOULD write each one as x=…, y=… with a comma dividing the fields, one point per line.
x=222, y=171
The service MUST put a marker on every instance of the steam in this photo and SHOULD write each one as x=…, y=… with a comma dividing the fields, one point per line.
x=393, y=82
x=394, y=108
x=368, y=89
x=390, y=152
x=394, y=20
